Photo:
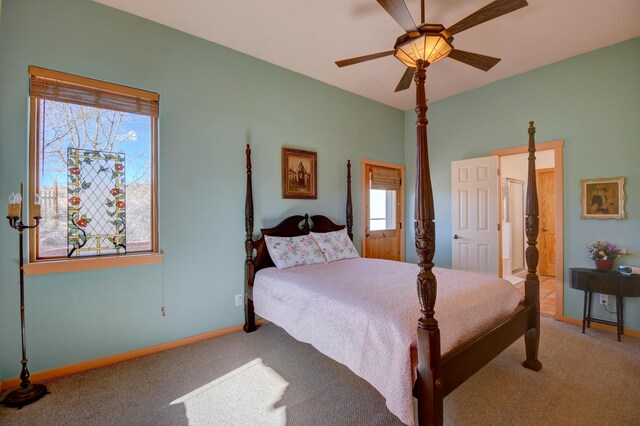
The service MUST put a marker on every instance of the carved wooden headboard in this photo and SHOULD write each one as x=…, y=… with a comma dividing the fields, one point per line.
x=290, y=227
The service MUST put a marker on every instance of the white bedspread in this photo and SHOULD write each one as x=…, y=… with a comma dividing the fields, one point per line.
x=363, y=313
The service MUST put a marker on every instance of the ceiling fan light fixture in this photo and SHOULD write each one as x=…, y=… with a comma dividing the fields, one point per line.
x=429, y=48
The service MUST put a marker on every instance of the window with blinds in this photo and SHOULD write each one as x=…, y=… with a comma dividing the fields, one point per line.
x=93, y=161
x=387, y=179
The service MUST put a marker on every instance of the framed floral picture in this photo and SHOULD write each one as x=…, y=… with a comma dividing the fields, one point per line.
x=299, y=174
x=602, y=198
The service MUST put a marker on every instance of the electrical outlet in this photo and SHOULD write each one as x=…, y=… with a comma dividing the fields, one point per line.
x=604, y=299
x=238, y=300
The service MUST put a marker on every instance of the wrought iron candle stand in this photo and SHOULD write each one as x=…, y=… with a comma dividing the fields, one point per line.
x=26, y=393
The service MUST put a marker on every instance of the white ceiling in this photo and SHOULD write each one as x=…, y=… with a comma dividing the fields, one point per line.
x=309, y=36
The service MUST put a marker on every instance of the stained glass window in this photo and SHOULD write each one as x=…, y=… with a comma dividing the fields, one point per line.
x=96, y=203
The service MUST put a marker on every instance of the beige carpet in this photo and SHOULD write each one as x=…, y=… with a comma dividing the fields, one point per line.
x=269, y=378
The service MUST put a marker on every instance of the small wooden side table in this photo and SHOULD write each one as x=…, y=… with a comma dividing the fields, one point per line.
x=604, y=282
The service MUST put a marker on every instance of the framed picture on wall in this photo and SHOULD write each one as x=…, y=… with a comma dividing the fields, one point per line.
x=603, y=198
x=299, y=174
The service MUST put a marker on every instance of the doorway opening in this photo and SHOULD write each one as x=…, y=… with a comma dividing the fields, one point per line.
x=513, y=187
x=382, y=210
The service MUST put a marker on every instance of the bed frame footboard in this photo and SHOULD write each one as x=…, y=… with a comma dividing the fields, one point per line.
x=438, y=376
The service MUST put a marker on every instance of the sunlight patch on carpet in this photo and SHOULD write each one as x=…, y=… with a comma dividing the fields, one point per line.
x=246, y=395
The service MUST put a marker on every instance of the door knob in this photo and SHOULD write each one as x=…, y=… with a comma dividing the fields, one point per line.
x=545, y=229
x=456, y=236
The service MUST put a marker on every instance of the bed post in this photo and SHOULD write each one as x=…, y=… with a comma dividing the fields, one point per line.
x=349, y=205
x=429, y=381
x=532, y=283
x=249, y=314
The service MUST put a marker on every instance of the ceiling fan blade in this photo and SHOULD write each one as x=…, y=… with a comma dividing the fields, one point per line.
x=491, y=11
x=399, y=12
x=351, y=61
x=485, y=63
x=405, y=81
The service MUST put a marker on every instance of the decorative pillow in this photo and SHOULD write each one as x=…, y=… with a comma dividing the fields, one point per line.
x=335, y=245
x=293, y=251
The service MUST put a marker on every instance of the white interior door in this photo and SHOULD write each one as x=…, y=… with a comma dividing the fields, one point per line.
x=474, y=193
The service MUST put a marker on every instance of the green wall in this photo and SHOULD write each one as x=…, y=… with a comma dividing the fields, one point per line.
x=213, y=101
x=592, y=102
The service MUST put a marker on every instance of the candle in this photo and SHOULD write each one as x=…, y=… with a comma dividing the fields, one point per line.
x=14, y=205
x=36, y=205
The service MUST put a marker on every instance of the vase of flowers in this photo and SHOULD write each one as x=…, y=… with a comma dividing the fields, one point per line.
x=604, y=264
x=603, y=253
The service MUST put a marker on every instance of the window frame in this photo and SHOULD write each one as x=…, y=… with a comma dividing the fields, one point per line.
x=40, y=265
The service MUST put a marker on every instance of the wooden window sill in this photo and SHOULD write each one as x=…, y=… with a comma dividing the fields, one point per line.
x=88, y=264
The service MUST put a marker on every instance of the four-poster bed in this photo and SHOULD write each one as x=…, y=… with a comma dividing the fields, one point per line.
x=438, y=374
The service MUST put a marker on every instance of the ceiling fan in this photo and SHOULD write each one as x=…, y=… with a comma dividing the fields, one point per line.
x=425, y=44
x=419, y=47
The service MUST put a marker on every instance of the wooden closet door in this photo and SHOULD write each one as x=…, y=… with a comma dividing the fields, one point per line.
x=547, y=236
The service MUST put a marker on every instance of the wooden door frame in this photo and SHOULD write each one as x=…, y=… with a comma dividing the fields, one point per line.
x=364, y=162
x=557, y=148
